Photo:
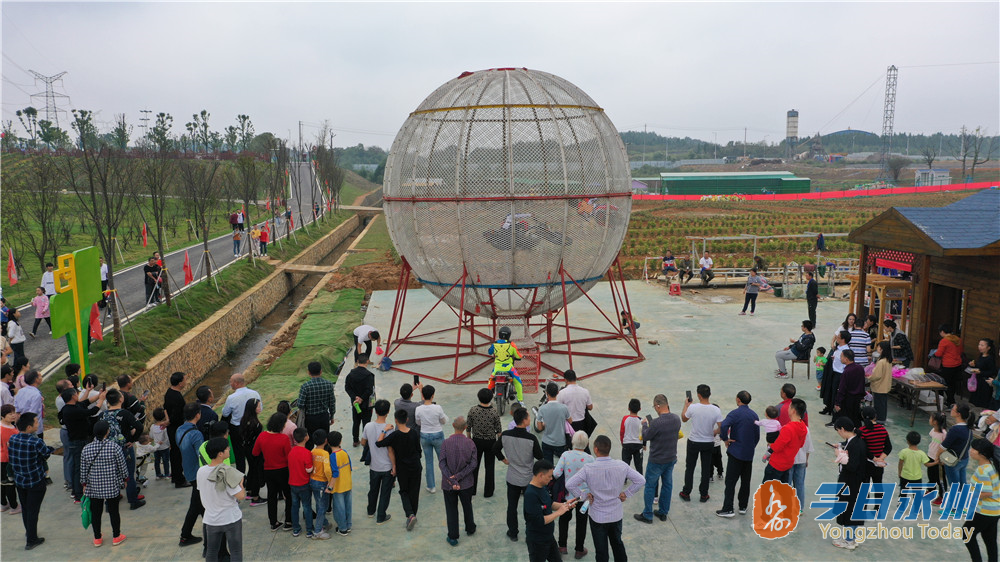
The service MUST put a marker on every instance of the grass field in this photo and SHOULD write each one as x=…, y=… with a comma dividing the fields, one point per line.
x=376, y=240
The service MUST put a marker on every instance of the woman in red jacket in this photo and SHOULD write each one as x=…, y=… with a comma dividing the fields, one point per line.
x=949, y=349
x=275, y=446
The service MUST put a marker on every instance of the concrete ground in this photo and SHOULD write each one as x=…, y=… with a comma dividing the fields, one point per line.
x=699, y=341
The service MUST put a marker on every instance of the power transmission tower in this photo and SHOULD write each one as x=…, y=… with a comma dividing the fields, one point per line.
x=51, y=110
x=144, y=122
x=888, y=117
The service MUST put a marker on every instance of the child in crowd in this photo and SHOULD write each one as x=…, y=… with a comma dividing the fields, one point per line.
x=910, y=460
x=319, y=482
x=820, y=363
x=145, y=448
x=285, y=408
x=158, y=431
x=629, y=324
x=717, y=456
x=935, y=472
x=300, y=466
x=41, y=304
x=631, y=435
x=771, y=427
x=515, y=406
x=340, y=483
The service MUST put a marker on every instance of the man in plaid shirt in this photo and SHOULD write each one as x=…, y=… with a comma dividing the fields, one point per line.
x=316, y=401
x=27, y=454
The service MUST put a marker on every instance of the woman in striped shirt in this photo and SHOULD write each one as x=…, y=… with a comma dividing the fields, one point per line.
x=876, y=439
x=984, y=522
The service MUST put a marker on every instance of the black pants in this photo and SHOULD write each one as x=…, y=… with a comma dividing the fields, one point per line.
x=18, y=349
x=451, y=499
x=513, y=498
x=34, y=329
x=8, y=492
x=811, y=304
x=581, y=528
x=277, y=480
x=717, y=459
x=935, y=475
x=953, y=378
x=544, y=551
x=605, y=533
x=706, y=276
x=379, y=488
x=985, y=525
x=484, y=460
x=97, y=510
x=314, y=422
x=360, y=420
x=741, y=471
x=31, y=505
x=368, y=349
x=696, y=449
x=632, y=452
x=239, y=452
x=409, y=489
x=552, y=453
x=176, y=468
x=750, y=299
x=195, y=509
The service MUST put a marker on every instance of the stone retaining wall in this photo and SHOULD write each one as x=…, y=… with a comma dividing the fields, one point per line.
x=373, y=199
x=201, y=348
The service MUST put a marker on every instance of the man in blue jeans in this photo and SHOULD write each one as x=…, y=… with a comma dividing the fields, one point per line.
x=740, y=434
x=661, y=436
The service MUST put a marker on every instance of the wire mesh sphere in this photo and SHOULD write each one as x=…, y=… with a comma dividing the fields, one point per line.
x=513, y=183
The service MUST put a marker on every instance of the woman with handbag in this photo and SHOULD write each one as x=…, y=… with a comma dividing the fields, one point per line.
x=984, y=369
x=955, y=448
x=949, y=349
x=984, y=522
x=102, y=474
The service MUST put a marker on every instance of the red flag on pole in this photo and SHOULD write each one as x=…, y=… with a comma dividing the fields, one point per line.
x=268, y=203
x=11, y=268
x=291, y=221
x=143, y=235
x=188, y=274
x=96, y=330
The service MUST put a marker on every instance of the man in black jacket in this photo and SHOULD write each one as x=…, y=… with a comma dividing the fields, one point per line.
x=130, y=431
x=798, y=350
x=360, y=387
x=131, y=402
x=76, y=415
x=812, y=295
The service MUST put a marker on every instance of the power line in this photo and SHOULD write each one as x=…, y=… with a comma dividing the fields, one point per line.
x=870, y=86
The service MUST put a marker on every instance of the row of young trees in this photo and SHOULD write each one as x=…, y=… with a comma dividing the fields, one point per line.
x=104, y=185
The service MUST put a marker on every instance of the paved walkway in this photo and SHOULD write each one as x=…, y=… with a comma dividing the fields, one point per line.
x=699, y=342
x=47, y=354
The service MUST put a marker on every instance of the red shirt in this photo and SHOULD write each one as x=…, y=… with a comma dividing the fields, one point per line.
x=300, y=459
x=275, y=448
x=948, y=351
x=264, y=236
x=790, y=440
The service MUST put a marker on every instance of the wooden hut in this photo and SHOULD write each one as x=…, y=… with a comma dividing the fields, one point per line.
x=951, y=255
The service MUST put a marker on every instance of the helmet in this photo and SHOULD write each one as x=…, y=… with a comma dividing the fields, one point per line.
x=504, y=333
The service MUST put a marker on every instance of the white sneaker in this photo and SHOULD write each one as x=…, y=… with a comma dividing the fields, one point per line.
x=841, y=543
x=322, y=536
x=432, y=490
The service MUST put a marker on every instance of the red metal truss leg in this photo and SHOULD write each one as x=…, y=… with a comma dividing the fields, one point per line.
x=628, y=306
x=461, y=317
x=569, y=345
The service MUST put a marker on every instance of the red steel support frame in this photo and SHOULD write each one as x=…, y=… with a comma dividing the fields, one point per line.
x=542, y=328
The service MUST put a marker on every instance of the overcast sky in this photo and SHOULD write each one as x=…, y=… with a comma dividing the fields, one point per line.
x=698, y=69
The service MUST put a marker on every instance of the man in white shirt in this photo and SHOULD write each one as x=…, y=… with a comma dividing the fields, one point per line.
x=364, y=334
x=221, y=489
x=577, y=401
x=705, y=418
x=234, y=407
x=104, y=281
x=49, y=280
x=706, y=264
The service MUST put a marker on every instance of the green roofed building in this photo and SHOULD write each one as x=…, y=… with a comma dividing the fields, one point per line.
x=726, y=183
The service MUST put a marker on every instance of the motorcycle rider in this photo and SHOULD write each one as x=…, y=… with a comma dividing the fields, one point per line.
x=504, y=353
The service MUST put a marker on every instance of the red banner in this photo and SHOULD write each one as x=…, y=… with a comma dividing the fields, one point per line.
x=96, y=330
x=143, y=235
x=11, y=268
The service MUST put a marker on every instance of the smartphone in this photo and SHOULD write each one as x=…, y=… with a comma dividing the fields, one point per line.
x=416, y=379
x=688, y=395
x=649, y=420
x=104, y=386
x=832, y=445
x=145, y=393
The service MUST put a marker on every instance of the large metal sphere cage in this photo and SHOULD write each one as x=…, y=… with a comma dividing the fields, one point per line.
x=511, y=184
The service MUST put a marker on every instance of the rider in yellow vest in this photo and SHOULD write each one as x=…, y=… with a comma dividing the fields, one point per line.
x=504, y=353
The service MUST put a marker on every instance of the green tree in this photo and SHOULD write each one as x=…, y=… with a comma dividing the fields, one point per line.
x=245, y=180
x=231, y=136
x=29, y=120
x=896, y=165
x=159, y=135
x=121, y=133
x=51, y=135
x=245, y=127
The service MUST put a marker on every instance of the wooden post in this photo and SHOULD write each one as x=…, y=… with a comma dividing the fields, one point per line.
x=920, y=314
x=859, y=304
